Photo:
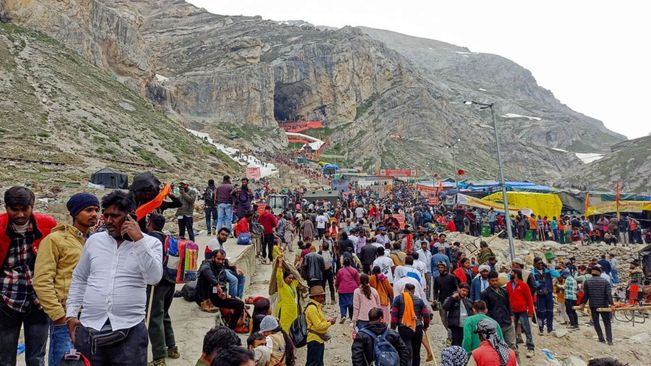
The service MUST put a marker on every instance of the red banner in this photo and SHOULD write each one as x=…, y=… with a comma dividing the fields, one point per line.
x=398, y=172
x=426, y=189
x=253, y=173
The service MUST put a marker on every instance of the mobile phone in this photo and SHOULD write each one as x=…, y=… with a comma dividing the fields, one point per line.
x=126, y=236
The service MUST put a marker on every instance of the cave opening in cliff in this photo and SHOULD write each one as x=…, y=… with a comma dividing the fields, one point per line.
x=288, y=101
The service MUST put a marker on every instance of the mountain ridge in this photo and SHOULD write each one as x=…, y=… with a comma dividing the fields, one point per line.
x=216, y=72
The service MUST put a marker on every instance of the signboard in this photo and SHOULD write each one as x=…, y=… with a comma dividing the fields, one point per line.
x=462, y=199
x=425, y=188
x=253, y=173
x=399, y=172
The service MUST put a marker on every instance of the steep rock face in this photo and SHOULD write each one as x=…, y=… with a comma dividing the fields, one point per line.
x=387, y=104
x=105, y=32
x=467, y=75
x=264, y=71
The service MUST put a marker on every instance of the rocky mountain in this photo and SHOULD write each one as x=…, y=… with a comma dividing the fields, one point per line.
x=62, y=118
x=628, y=164
x=384, y=103
x=529, y=111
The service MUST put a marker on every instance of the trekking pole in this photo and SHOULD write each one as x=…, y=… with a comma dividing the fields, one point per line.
x=149, y=306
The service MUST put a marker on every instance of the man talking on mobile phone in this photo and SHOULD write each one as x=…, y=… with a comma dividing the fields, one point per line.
x=109, y=288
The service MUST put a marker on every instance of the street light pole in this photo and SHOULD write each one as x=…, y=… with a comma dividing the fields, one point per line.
x=505, y=200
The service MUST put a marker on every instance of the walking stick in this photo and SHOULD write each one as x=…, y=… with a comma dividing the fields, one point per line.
x=149, y=306
x=428, y=348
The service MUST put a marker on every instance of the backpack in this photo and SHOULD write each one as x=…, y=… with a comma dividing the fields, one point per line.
x=384, y=354
x=244, y=239
x=189, y=291
x=209, y=195
x=298, y=330
x=427, y=216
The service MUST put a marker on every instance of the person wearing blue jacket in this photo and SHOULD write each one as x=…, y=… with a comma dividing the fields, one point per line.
x=544, y=290
x=436, y=259
x=479, y=283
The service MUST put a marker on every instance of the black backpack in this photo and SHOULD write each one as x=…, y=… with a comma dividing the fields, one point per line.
x=209, y=195
x=298, y=330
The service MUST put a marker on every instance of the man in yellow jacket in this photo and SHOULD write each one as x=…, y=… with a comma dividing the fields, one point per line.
x=317, y=326
x=57, y=257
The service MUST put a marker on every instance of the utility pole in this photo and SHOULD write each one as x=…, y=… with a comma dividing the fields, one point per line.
x=505, y=200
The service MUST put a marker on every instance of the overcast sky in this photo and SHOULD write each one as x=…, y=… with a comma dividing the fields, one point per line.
x=595, y=56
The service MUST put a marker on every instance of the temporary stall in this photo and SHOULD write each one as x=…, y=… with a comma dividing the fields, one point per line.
x=109, y=178
x=543, y=204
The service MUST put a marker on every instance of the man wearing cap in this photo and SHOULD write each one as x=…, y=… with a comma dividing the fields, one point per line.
x=269, y=328
x=598, y=293
x=480, y=282
x=58, y=255
x=109, y=283
x=317, y=326
x=21, y=231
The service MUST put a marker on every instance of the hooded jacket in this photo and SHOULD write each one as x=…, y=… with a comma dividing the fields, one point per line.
x=42, y=223
x=58, y=256
x=362, y=348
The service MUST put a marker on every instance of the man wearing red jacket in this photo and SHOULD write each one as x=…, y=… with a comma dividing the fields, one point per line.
x=269, y=223
x=21, y=232
x=522, y=306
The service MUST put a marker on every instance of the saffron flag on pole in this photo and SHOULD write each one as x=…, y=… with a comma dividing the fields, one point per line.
x=617, y=198
x=586, y=204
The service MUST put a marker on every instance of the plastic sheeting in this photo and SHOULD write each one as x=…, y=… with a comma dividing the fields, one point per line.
x=624, y=206
x=543, y=204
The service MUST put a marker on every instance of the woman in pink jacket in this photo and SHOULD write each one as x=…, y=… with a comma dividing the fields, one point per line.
x=346, y=282
x=365, y=298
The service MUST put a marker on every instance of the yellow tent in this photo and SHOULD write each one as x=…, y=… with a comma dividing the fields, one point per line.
x=543, y=204
x=611, y=206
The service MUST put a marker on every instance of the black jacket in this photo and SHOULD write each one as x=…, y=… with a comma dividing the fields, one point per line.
x=498, y=304
x=444, y=286
x=368, y=254
x=211, y=275
x=597, y=291
x=362, y=348
x=453, y=309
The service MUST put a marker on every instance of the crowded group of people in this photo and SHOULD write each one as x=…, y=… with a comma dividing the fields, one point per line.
x=100, y=287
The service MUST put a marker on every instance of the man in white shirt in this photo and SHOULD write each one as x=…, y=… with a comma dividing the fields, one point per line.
x=425, y=256
x=109, y=288
x=321, y=221
x=408, y=270
x=385, y=263
x=359, y=213
x=381, y=237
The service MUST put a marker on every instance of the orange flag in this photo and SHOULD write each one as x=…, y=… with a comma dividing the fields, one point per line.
x=618, y=194
x=586, y=204
x=145, y=209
